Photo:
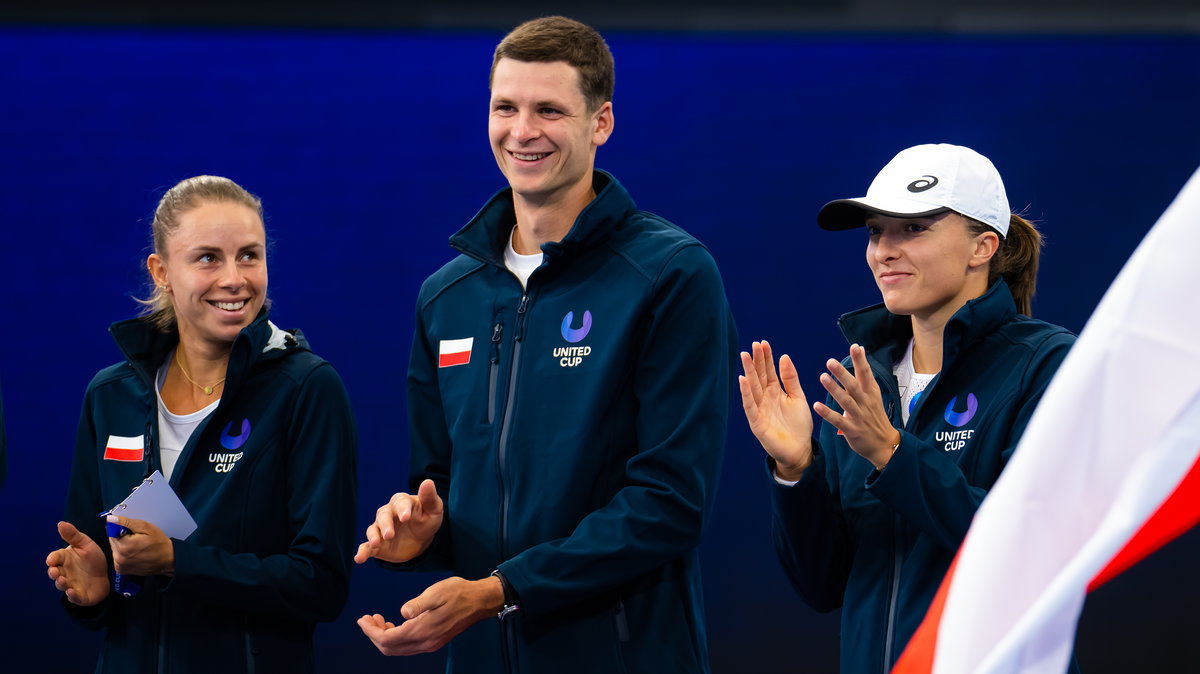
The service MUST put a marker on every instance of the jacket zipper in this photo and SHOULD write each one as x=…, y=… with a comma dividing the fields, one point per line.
x=893, y=595
x=494, y=372
x=162, y=633
x=508, y=651
x=150, y=454
x=506, y=424
x=897, y=553
x=508, y=645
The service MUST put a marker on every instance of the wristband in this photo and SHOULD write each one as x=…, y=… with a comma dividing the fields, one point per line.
x=510, y=605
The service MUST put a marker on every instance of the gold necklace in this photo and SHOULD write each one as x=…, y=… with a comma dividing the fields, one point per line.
x=208, y=390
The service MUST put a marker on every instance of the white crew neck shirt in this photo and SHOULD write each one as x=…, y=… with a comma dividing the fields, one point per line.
x=520, y=265
x=911, y=383
x=174, y=430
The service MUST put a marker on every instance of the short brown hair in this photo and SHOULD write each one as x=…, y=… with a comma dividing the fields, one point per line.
x=183, y=197
x=557, y=38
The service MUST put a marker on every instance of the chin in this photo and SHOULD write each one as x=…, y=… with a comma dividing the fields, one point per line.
x=897, y=306
x=228, y=333
x=227, y=336
x=528, y=187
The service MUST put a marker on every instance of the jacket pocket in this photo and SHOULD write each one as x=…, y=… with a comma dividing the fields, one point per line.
x=250, y=652
x=622, y=622
x=494, y=371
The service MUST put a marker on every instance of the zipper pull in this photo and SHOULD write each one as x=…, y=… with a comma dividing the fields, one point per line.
x=521, y=316
x=148, y=453
x=496, y=331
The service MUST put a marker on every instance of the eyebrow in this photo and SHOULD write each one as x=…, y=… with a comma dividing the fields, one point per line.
x=217, y=249
x=502, y=100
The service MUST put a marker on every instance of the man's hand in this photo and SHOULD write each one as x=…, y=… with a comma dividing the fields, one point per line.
x=439, y=614
x=403, y=528
x=778, y=415
x=864, y=422
x=80, y=569
x=144, y=551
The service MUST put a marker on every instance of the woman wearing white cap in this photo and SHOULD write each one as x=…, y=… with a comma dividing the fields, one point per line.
x=922, y=417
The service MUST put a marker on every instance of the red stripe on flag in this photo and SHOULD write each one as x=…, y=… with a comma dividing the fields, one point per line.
x=917, y=657
x=1178, y=513
x=118, y=454
x=448, y=359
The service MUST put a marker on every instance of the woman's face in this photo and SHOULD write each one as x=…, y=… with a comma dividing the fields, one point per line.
x=928, y=267
x=215, y=270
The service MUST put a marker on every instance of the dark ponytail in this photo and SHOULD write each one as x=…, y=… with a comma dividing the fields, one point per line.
x=1016, y=259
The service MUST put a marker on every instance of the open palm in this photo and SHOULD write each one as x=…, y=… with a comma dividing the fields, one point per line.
x=776, y=408
x=80, y=570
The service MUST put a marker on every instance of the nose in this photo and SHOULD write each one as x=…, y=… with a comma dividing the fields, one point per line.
x=525, y=127
x=232, y=277
x=885, y=247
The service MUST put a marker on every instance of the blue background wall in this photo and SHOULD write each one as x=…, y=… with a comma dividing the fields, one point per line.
x=369, y=149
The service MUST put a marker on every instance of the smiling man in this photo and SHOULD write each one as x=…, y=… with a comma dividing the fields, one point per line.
x=567, y=398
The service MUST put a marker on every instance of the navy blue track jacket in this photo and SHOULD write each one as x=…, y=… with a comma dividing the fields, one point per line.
x=877, y=543
x=576, y=431
x=269, y=478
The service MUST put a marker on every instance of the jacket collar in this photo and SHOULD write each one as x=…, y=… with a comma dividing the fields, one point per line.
x=145, y=347
x=886, y=335
x=486, y=235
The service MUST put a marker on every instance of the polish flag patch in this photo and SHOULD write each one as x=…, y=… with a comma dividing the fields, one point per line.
x=121, y=448
x=454, y=351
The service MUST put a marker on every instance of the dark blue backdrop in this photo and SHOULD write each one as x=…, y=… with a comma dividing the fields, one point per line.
x=370, y=148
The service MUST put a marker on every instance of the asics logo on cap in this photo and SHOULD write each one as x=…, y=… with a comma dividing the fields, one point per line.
x=923, y=183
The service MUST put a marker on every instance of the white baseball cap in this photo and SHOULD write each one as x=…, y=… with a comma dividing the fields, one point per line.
x=925, y=180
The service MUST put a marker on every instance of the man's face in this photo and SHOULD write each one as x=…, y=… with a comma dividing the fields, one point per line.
x=542, y=134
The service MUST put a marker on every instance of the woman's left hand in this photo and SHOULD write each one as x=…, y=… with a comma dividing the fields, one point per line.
x=144, y=551
x=863, y=421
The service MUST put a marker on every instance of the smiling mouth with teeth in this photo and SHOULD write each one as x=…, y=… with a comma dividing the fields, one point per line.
x=529, y=157
x=230, y=306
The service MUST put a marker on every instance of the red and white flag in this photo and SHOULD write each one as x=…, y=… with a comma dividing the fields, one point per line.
x=454, y=351
x=123, y=448
x=1105, y=474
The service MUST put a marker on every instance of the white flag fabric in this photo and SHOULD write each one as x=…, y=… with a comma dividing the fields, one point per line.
x=1116, y=432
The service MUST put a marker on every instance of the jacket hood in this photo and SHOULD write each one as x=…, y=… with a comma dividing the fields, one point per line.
x=486, y=235
x=882, y=332
x=145, y=347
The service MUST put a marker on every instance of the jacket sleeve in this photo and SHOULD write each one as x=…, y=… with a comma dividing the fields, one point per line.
x=682, y=386
x=311, y=580
x=926, y=486
x=810, y=534
x=430, y=448
x=83, y=506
